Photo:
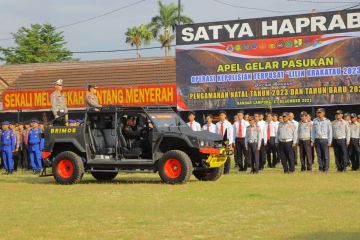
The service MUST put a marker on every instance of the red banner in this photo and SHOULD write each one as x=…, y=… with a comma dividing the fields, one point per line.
x=164, y=94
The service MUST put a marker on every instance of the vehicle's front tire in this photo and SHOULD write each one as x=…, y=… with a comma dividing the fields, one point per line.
x=104, y=176
x=227, y=165
x=211, y=174
x=175, y=167
x=68, y=168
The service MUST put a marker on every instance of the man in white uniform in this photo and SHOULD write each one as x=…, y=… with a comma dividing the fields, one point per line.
x=260, y=123
x=209, y=126
x=296, y=124
x=241, y=155
x=225, y=129
x=195, y=126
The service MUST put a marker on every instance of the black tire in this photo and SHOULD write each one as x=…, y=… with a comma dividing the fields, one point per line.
x=227, y=165
x=104, y=176
x=211, y=174
x=68, y=168
x=167, y=171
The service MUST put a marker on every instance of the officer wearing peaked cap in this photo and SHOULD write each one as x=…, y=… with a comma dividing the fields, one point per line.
x=286, y=138
x=253, y=137
x=321, y=138
x=354, y=147
x=36, y=145
x=341, y=139
x=304, y=142
x=91, y=99
x=7, y=140
x=58, y=104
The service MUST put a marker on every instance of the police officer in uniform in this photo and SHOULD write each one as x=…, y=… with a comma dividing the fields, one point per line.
x=239, y=129
x=271, y=128
x=259, y=121
x=58, y=105
x=296, y=124
x=36, y=144
x=8, y=141
x=286, y=138
x=354, y=147
x=253, y=144
x=312, y=147
x=304, y=142
x=26, y=145
x=91, y=99
x=347, y=117
x=341, y=139
x=16, y=153
x=321, y=138
x=131, y=133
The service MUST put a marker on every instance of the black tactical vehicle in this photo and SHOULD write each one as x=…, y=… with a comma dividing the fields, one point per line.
x=159, y=141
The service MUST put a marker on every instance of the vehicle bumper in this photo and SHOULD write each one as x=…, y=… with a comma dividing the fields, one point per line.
x=216, y=158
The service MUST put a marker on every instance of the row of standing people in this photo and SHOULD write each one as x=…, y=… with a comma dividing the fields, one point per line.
x=21, y=145
x=279, y=138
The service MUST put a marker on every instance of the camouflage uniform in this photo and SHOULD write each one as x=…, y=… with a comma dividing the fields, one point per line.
x=92, y=101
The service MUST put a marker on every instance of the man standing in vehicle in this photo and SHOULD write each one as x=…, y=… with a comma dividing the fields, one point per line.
x=91, y=99
x=58, y=105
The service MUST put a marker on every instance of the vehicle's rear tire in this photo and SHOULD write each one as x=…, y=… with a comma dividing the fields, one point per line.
x=211, y=174
x=104, y=176
x=227, y=165
x=175, y=167
x=68, y=168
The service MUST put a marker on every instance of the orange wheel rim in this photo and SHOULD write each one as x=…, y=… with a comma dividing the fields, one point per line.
x=65, y=168
x=172, y=168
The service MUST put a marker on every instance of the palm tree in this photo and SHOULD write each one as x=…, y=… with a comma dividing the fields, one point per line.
x=167, y=20
x=137, y=36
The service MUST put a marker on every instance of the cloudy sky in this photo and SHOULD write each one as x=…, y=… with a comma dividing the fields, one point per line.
x=107, y=33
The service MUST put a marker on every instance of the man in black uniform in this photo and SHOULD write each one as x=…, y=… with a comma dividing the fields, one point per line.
x=145, y=143
x=131, y=133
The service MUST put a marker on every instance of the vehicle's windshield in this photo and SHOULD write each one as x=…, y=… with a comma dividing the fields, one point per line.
x=166, y=119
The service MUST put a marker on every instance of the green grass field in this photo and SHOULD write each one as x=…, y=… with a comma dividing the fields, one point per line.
x=270, y=205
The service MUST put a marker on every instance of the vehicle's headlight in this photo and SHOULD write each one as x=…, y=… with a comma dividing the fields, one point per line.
x=206, y=143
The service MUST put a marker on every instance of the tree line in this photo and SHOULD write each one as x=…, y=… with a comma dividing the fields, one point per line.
x=42, y=43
